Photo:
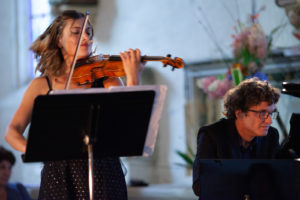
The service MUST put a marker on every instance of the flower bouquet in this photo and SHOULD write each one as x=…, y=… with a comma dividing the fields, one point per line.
x=250, y=50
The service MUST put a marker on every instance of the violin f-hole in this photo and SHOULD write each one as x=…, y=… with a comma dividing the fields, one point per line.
x=87, y=82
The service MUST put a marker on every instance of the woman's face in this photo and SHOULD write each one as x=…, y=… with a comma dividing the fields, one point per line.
x=5, y=172
x=70, y=37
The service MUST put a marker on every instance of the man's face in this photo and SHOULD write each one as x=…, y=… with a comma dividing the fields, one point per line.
x=5, y=172
x=257, y=120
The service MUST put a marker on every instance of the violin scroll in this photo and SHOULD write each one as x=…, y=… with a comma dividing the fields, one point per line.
x=175, y=63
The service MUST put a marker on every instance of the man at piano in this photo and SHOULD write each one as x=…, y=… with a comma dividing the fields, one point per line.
x=246, y=133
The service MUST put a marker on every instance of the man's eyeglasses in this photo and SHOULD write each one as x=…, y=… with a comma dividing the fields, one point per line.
x=263, y=115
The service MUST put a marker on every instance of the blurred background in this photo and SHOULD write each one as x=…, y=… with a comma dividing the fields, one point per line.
x=201, y=32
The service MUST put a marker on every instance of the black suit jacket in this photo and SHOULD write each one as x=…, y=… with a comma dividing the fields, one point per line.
x=222, y=141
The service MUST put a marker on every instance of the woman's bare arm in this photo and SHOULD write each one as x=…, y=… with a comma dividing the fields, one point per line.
x=14, y=134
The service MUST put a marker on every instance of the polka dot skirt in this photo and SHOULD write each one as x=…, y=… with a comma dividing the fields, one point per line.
x=64, y=180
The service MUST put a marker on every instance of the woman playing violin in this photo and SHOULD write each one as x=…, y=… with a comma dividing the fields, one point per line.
x=55, y=50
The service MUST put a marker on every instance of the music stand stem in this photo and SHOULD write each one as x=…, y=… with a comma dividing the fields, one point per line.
x=89, y=140
x=91, y=166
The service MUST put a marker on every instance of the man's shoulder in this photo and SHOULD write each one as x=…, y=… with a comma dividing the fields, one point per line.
x=17, y=191
x=273, y=129
x=273, y=132
x=216, y=129
x=219, y=125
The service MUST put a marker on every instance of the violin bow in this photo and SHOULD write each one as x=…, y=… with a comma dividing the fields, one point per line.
x=76, y=51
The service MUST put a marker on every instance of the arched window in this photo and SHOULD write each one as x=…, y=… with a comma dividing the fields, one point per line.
x=40, y=18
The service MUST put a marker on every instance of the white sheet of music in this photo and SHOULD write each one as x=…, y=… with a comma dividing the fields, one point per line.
x=160, y=93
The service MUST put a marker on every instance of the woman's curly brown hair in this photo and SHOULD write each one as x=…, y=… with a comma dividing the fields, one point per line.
x=249, y=93
x=45, y=47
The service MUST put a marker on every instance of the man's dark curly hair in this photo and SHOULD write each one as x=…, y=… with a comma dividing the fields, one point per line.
x=7, y=155
x=250, y=92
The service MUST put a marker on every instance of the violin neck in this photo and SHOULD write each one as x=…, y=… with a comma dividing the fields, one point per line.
x=143, y=58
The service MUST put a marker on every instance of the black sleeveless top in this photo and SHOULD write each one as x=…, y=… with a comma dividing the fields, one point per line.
x=49, y=84
x=68, y=179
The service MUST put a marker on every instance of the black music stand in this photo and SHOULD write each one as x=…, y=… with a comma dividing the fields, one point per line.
x=76, y=126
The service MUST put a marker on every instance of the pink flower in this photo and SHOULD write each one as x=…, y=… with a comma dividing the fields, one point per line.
x=218, y=88
x=257, y=41
x=240, y=40
x=205, y=82
x=254, y=41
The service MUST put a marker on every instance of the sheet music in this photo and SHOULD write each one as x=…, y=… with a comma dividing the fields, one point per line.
x=160, y=93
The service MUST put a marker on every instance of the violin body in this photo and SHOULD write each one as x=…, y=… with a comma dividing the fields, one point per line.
x=85, y=75
x=89, y=70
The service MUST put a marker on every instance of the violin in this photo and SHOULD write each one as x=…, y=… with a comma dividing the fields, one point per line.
x=85, y=72
x=89, y=70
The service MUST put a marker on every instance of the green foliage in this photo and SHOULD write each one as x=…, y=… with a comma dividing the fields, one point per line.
x=188, y=157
